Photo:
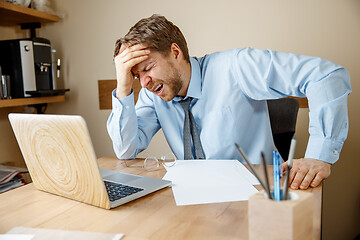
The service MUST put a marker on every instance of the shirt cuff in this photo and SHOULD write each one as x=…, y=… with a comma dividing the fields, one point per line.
x=125, y=106
x=326, y=150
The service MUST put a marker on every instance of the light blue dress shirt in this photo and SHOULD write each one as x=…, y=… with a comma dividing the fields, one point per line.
x=229, y=90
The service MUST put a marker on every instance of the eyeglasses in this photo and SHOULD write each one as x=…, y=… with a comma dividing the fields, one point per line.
x=151, y=163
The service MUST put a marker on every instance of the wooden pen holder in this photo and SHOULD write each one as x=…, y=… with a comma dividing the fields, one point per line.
x=288, y=219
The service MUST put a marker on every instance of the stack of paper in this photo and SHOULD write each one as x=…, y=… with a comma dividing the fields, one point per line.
x=210, y=181
x=9, y=179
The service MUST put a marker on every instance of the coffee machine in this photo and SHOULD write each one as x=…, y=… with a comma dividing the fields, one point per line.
x=28, y=62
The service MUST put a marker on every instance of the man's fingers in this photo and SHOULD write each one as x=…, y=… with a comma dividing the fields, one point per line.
x=125, y=62
x=284, y=166
x=131, y=55
x=132, y=62
x=124, y=50
x=299, y=176
x=318, y=178
x=292, y=174
x=308, y=172
x=307, y=179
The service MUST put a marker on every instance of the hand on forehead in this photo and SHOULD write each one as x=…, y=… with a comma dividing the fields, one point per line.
x=132, y=47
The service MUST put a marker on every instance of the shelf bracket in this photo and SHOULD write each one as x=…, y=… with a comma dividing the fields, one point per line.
x=40, y=108
x=32, y=27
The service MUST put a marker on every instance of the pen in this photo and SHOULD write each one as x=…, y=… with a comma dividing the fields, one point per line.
x=266, y=177
x=290, y=158
x=276, y=166
x=250, y=165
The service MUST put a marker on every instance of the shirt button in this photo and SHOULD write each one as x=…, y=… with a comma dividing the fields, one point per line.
x=126, y=107
x=335, y=152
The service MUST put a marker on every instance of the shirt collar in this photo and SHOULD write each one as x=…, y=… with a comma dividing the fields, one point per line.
x=194, y=89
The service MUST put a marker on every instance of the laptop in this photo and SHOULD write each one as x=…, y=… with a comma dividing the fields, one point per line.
x=61, y=160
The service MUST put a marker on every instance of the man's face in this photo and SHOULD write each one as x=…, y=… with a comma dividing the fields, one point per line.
x=159, y=75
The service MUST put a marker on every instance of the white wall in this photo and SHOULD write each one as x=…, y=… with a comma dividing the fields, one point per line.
x=330, y=29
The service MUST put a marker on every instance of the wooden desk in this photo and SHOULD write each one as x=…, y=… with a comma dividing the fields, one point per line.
x=155, y=216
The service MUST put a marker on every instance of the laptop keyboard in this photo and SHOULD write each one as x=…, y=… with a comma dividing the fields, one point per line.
x=117, y=191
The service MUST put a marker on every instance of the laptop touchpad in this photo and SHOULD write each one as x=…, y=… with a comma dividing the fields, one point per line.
x=121, y=178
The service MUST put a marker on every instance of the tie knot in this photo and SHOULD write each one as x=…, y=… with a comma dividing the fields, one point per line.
x=185, y=104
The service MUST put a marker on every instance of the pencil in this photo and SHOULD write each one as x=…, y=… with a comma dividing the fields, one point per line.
x=250, y=165
x=266, y=177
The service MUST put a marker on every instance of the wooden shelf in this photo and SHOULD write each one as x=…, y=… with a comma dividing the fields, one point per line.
x=30, y=101
x=12, y=14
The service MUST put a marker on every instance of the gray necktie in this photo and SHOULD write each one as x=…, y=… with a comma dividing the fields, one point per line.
x=190, y=129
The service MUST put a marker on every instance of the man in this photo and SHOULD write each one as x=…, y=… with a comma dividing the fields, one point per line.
x=228, y=91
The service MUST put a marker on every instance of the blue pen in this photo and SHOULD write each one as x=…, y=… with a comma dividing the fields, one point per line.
x=276, y=167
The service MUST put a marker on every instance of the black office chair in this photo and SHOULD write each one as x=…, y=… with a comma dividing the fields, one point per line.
x=283, y=114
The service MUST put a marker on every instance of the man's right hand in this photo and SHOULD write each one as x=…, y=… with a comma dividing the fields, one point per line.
x=127, y=58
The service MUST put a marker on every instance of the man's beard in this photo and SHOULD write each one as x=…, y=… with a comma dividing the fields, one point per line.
x=173, y=84
x=172, y=88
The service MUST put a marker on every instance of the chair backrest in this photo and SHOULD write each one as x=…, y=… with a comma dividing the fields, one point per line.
x=283, y=114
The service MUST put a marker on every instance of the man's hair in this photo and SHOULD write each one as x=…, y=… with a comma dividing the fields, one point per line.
x=157, y=33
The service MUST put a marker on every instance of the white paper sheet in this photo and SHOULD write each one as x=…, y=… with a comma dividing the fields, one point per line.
x=16, y=236
x=55, y=234
x=210, y=181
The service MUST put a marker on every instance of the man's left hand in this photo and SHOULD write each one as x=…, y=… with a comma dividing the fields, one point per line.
x=307, y=172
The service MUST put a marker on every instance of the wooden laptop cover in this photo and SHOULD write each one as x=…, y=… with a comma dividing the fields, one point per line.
x=60, y=157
